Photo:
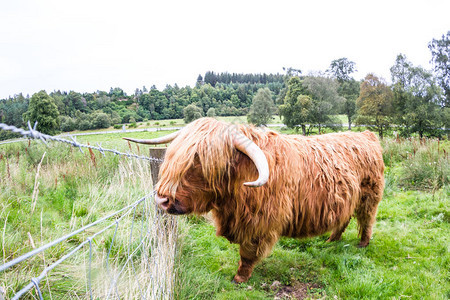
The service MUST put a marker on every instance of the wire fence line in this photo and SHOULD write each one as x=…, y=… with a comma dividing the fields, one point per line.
x=151, y=129
x=127, y=254
x=34, y=134
x=138, y=271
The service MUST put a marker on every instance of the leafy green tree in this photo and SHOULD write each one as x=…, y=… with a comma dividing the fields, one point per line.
x=11, y=113
x=43, y=109
x=297, y=106
x=326, y=100
x=349, y=90
x=416, y=99
x=199, y=81
x=440, y=50
x=236, y=102
x=191, y=113
x=101, y=120
x=157, y=102
x=12, y=110
x=341, y=69
x=211, y=112
x=117, y=93
x=58, y=97
x=375, y=104
x=74, y=102
x=262, y=108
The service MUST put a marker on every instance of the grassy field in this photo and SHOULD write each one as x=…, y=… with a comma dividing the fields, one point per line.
x=180, y=123
x=408, y=257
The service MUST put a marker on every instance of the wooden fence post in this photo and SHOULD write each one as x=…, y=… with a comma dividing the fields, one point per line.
x=156, y=152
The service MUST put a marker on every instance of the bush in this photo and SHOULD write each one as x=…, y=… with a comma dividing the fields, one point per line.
x=132, y=125
x=101, y=120
x=67, y=124
x=117, y=126
x=84, y=125
x=211, y=112
x=191, y=113
x=130, y=117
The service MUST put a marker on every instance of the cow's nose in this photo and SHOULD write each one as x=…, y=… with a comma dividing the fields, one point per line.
x=162, y=201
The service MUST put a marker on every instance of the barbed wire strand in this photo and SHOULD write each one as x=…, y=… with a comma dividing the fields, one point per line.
x=34, y=134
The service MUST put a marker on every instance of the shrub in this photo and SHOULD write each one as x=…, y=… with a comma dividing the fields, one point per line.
x=101, y=120
x=211, y=112
x=117, y=126
x=67, y=124
x=191, y=113
x=84, y=125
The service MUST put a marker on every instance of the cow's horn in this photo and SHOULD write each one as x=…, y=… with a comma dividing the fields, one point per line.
x=161, y=140
x=245, y=145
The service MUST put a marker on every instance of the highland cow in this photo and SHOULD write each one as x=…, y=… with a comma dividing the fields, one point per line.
x=303, y=186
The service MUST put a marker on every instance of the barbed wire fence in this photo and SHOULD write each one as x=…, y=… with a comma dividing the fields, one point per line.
x=127, y=254
x=34, y=134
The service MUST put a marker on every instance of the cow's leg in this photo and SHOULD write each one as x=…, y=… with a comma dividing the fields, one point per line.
x=251, y=253
x=337, y=233
x=367, y=211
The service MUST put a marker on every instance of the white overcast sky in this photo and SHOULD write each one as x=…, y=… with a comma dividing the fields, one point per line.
x=89, y=45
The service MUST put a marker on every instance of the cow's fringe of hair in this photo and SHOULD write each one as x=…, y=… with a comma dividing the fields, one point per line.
x=209, y=141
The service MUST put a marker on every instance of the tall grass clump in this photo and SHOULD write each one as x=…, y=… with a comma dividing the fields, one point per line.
x=422, y=164
x=43, y=197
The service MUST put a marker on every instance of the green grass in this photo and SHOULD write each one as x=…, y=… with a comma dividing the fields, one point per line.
x=408, y=256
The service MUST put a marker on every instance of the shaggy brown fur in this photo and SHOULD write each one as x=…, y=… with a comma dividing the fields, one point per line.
x=316, y=184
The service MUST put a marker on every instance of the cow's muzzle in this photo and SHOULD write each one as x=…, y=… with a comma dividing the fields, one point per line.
x=173, y=207
x=163, y=202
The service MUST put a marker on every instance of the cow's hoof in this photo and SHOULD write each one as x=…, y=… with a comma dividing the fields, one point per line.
x=363, y=245
x=331, y=239
x=238, y=279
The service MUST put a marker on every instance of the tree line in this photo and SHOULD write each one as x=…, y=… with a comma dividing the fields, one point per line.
x=417, y=101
